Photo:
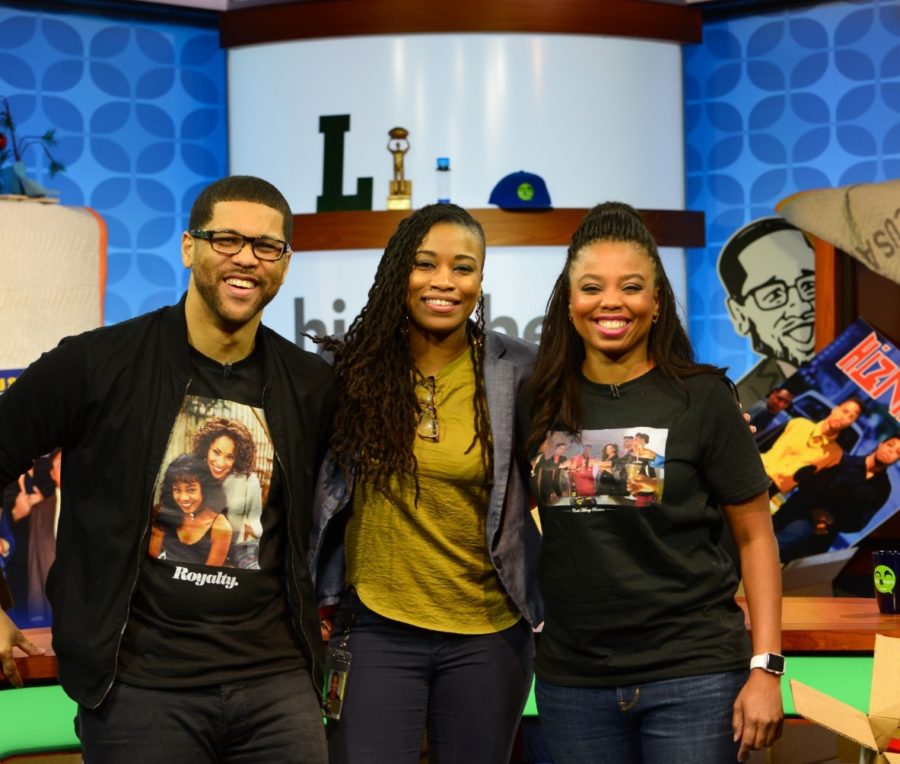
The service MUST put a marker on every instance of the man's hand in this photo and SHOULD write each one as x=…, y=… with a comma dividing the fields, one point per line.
x=11, y=637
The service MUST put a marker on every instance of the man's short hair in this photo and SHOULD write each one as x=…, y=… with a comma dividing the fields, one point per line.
x=731, y=271
x=853, y=399
x=240, y=188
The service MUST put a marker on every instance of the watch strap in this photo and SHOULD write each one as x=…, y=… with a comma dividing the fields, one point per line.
x=771, y=662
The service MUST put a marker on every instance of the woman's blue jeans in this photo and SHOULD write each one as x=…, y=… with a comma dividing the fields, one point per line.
x=673, y=720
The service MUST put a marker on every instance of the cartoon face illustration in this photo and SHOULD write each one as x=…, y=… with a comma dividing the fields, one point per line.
x=767, y=268
x=884, y=578
x=525, y=192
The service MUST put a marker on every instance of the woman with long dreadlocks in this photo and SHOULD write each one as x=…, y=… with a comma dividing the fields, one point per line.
x=422, y=524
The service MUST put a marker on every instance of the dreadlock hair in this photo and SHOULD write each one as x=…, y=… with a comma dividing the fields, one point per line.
x=556, y=383
x=377, y=412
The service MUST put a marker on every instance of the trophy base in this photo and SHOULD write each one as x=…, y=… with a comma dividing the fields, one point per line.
x=399, y=202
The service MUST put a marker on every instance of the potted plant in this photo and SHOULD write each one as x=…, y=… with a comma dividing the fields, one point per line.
x=13, y=176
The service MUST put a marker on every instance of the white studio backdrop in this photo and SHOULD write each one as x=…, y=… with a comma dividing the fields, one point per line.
x=325, y=291
x=596, y=117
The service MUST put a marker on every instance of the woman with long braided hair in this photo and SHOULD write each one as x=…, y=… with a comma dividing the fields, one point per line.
x=644, y=657
x=422, y=525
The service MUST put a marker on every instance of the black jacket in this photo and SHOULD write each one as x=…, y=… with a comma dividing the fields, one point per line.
x=109, y=398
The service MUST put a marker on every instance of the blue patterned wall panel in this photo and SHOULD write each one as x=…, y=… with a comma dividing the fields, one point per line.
x=775, y=104
x=140, y=114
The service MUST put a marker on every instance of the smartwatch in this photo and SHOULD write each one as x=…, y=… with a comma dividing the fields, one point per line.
x=771, y=662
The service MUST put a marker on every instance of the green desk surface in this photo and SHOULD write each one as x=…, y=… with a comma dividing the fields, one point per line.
x=40, y=718
x=36, y=719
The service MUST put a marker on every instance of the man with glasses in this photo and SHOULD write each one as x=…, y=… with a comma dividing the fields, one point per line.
x=166, y=655
x=767, y=268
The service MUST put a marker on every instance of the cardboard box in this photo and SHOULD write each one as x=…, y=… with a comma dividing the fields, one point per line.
x=881, y=725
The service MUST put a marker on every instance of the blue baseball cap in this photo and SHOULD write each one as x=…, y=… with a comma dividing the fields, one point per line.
x=521, y=191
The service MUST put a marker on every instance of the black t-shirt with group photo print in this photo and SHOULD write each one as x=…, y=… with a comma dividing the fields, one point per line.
x=210, y=605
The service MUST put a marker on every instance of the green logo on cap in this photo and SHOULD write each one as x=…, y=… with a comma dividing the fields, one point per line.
x=885, y=578
x=525, y=192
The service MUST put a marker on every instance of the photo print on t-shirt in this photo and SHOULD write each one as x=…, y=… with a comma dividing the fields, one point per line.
x=601, y=469
x=212, y=486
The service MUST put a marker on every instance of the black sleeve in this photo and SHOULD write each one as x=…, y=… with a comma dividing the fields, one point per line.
x=731, y=463
x=40, y=411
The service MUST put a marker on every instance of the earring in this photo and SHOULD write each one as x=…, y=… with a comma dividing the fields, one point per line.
x=655, y=318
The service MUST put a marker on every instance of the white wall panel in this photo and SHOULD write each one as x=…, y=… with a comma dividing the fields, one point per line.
x=597, y=117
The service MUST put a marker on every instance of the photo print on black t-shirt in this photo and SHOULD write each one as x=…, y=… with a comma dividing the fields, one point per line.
x=212, y=486
x=601, y=469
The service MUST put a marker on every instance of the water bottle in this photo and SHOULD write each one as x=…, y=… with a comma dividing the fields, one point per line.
x=443, y=180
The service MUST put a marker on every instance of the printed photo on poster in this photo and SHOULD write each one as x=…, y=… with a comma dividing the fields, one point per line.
x=833, y=450
x=601, y=469
x=28, y=521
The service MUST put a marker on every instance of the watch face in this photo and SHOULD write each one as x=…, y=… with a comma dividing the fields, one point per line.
x=775, y=663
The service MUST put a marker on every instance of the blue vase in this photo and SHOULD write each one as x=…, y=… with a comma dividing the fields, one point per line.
x=9, y=181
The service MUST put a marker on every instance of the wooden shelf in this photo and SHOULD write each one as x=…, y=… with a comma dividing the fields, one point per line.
x=831, y=624
x=315, y=19
x=325, y=231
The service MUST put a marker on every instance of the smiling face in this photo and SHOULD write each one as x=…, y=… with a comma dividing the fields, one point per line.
x=445, y=280
x=612, y=301
x=885, y=579
x=233, y=290
x=188, y=495
x=221, y=456
x=776, y=306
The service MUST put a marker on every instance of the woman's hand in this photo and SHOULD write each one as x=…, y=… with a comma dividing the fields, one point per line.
x=757, y=715
x=641, y=484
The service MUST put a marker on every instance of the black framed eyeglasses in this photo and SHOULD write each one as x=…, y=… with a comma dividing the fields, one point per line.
x=229, y=243
x=427, y=424
x=774, y=293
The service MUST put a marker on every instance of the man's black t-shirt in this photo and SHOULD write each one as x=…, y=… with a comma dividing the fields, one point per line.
x=210, y=603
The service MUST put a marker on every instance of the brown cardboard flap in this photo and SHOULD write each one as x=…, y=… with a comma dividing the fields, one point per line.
x=885, y=729
x=833, y=714
x=884, y=699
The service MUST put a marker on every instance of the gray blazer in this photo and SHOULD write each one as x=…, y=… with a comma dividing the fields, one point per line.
x=512, y=537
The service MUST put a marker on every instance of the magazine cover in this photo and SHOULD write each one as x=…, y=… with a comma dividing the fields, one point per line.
x=18, y=499
x=830, y=442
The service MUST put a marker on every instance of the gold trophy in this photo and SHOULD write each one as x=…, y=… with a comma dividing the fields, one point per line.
x=399, y=190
